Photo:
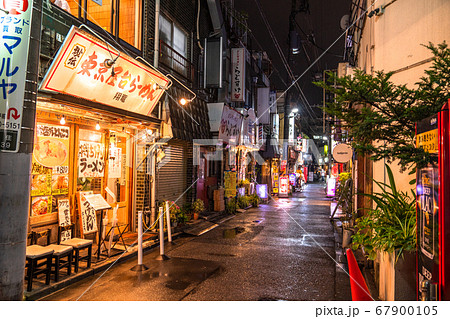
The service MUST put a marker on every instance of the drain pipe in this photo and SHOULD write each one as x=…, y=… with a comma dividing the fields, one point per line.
x=156, y=45
x=153, y=160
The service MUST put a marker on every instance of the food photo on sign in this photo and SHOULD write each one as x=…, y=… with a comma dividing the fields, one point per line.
x=50, y=167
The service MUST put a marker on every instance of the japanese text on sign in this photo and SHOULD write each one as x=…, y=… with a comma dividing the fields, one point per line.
x=80, y=70
x=14, y=44
x=91, y=161
x=238, y=74
x=428, y=141
x=64, y=217
x=88, y=215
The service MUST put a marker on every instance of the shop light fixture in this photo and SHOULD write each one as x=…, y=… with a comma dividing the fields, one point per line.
x=183, y=100
x=97, y=126
x=63, y=120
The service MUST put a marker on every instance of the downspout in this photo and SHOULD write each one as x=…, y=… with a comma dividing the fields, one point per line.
x=153, y=157
x=156, y=46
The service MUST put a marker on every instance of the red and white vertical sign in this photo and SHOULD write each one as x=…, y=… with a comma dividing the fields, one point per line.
x=238, y=75
x=15, y=38
x=284, y=186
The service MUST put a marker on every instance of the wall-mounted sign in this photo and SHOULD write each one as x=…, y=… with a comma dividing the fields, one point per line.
x=15, y=39
x=342, y=153
x=230, y=125
x=79, y=69
x=238, y=75
x=262, y=105
x=91, y=160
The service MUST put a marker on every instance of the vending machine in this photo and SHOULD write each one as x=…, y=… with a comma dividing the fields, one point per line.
x=433, y=209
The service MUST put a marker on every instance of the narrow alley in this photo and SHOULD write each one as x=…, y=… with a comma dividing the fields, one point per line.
x=284, y=250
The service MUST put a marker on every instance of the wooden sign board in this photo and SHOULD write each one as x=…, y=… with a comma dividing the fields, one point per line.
x=88, y=217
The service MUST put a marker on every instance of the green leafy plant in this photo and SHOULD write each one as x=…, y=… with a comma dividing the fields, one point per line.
x=230, y=206
x=174, y=209
x=182, y=218
x=380, y=116
x=254, y=200
x=391, y=225
x=243, y=201
x=198, y=206
x=243, y=183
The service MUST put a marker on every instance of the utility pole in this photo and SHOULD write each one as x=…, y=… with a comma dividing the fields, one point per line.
x=15, y=165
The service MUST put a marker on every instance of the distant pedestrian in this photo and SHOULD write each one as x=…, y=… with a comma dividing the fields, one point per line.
x=322, y=174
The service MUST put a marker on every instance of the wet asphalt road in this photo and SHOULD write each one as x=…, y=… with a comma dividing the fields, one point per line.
x=280, y=251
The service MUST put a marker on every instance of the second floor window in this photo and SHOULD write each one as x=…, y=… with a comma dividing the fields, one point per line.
x=173, y=46
x=121, y=18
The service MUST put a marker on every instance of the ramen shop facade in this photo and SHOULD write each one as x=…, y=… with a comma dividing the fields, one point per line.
x=94, y=130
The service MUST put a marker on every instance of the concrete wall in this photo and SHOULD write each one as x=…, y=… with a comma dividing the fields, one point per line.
x=394, y=40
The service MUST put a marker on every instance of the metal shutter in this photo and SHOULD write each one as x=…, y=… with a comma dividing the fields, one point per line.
x=171, y=174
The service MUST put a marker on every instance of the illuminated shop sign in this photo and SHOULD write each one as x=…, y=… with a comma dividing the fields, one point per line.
x=15, y=35
x=79, y=69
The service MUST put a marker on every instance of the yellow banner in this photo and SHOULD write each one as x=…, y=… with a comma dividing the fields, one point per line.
x=428, y=141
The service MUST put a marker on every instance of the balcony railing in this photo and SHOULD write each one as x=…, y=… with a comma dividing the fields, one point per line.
x=175, y=61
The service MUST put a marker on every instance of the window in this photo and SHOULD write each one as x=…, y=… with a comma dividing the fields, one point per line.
x=173, y=47
x=122, y=18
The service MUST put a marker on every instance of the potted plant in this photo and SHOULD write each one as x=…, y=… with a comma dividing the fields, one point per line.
x=389, y=231
x=244, y=184
x=231, y=205
x=197, y=207
x=254, y=200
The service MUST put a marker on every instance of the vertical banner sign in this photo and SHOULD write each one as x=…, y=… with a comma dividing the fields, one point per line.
x=15, y=38
x=64, y=217
x=87, y=213
x=238, y=75
x=115, y=162
x=427, y=191
x=284, y=186
x=291, y=130
x=263, y=105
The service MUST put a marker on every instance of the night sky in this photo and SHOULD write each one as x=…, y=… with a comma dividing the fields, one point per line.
x=321, y=25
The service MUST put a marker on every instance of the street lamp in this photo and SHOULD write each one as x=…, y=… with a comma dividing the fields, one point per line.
x=183, y=100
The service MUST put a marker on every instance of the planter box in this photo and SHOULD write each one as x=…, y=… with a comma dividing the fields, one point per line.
x=397, y=281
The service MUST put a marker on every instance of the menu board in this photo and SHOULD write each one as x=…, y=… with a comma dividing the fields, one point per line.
x=64, y=217
x=115, y=162
x=230, y=183
x=87, y=213
x=91, y=160
x=49, y=167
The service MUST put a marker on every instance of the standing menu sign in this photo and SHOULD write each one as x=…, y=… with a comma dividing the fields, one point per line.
x=427, y=191
x=230, y=183
x=15, y=38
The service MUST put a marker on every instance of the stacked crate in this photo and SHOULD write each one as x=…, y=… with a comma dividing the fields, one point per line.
x=219, y=201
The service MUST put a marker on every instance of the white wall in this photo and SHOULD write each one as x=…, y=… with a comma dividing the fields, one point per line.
x=394, y=40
